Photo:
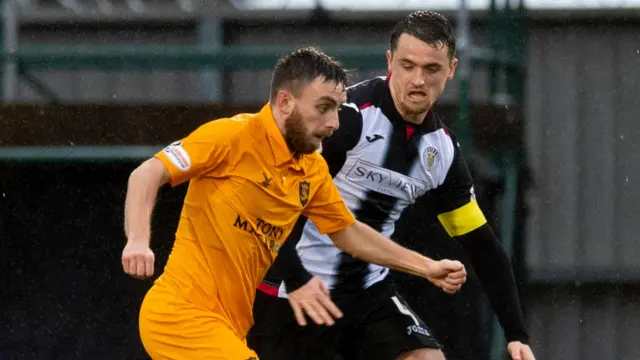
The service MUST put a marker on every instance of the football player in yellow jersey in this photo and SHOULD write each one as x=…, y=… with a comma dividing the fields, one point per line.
x=250, y=178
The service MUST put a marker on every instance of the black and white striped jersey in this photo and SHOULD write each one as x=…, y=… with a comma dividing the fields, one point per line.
x=381, y=164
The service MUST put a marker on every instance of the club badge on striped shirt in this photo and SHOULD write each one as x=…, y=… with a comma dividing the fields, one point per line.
x=432, y=158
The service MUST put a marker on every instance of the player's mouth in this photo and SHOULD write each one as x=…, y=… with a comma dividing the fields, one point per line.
x=322, y=136
x=417, y=96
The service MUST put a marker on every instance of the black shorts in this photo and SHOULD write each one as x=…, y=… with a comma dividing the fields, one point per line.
x=377, y=324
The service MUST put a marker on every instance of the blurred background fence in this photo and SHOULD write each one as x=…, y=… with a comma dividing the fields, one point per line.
x=545, y=103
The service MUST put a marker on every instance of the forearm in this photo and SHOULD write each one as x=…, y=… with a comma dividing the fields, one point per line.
x=362, y=242
x=142, y=189
x=492, y=266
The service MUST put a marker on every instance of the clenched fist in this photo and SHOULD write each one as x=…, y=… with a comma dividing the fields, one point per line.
x=137, y=260
x=448, y=275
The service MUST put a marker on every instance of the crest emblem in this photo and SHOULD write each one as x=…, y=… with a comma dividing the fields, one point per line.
x=432, y=158
x=267, y=180
x=304, y=192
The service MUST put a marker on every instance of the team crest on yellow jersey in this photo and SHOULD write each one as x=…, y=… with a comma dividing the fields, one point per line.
x=304, y=192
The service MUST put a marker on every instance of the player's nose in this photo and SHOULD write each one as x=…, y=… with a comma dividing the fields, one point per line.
x=418, y=80
x=333, y=121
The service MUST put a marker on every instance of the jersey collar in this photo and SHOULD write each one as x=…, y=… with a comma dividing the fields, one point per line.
x=279, y=148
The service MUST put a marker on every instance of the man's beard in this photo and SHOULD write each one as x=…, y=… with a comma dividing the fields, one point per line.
x=415, y=110
x=296, y=135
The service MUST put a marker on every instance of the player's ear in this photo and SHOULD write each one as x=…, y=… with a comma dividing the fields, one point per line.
x=285, y=101
x=454, y=64
x=389, y=58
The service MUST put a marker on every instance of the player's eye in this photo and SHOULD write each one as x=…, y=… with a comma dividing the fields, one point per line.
x=322, y=109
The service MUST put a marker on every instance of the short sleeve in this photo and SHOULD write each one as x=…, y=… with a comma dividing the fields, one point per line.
x=201, y=151
x=326, y=208
x=456, y=203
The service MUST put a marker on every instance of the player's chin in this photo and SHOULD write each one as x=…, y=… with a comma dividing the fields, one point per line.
x=315, y=141
x=309, y=148
x=418, y=107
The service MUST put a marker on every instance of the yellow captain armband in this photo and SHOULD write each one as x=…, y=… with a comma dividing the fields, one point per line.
x=463, y=220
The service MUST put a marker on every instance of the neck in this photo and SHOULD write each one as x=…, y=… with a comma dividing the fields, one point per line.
x=413, y=118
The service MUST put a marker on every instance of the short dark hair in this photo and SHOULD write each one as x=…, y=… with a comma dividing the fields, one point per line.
x=302, y=67
x=428, y=26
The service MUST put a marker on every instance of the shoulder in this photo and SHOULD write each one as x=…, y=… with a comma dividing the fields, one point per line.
x=437, y=126
x=366, y=92
x=447, y=134
x=361, y=96
x=235, y=124
x=223, y=130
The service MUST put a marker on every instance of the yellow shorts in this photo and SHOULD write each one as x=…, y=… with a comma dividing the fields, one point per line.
x=171, y=328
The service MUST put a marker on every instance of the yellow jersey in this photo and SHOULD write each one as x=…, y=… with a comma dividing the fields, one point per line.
x=246, y=191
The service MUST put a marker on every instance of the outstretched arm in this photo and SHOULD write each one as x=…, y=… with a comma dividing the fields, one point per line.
x=362, y=242
x=308, y=294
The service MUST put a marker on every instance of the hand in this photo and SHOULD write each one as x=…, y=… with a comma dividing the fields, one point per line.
x=313, y=299
x=448, y=275
x=520, y=351
x=137, y=260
